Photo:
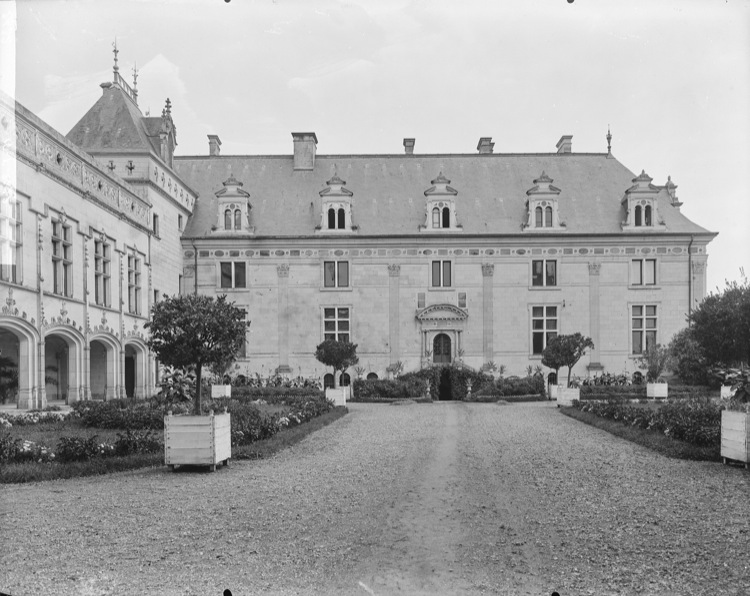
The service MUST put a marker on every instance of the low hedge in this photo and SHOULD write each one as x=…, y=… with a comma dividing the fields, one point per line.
x=272, y=394
x=120, y=413
x=459, y=379
x=694, y=420
x=624, y=392
x=514, y=386
x=383, y=388
x=509, y=398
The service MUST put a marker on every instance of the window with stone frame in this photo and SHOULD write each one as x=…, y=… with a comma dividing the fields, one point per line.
x=233, y=274
x=11, y=236
x=441, y=274
x=336, y=274
x=337, y=323
x=102, y=272
x=62, y=258
x=643, y=272
x=544, y=326
x=134, y=283
x=544, y=272
x=644, y=327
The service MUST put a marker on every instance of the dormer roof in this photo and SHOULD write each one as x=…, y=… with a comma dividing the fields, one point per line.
x=440, y=187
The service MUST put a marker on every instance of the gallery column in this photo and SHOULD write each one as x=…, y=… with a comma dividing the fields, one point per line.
x=488, y=272
x=394, y=338
x=283, y=319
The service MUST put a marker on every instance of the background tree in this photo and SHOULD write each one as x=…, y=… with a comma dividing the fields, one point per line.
x=655, y=360
x=721, y=325
x=196, y=331
x=688, y=358
x=338, y=354
x=565, y=350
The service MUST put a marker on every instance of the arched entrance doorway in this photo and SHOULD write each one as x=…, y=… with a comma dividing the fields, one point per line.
x=103, y=368
x=135, y=371
x=441, y=349
x=63, y=365
x=19, y=364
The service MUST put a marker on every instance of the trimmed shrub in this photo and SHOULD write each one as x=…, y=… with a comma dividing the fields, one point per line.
x=382, y=388
x=120, y=413
x=513, y=386
x=274, y=394
x=136, y=441
x=458, y=377
x=80, y=449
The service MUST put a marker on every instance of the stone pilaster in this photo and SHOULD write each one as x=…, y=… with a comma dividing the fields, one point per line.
x=394, y=328
x=283, y=319
x=594, y=310
x=488, y=271
x=699, y=282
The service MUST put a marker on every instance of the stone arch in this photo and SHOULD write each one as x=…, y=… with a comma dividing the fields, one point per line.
x=135, y=369
x=22, y=341
x=104, y=365
x=64, y=356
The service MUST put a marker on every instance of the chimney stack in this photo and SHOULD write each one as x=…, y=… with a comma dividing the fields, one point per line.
x=565, y=144
x=214, y=145
x=305, y=145
x=485, y=145
x=409, y=146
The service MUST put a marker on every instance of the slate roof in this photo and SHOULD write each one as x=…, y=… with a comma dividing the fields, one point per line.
x=389, y=198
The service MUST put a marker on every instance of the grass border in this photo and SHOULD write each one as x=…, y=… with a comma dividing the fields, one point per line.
x=18, y=473
x=651, y=439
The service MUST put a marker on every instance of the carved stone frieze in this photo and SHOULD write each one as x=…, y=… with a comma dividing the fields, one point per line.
x=488, y=269
x=594, y=267
x=282, y=270
x=394, y=270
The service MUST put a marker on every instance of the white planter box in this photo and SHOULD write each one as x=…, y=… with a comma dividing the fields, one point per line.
x=338, y=396
x=656, y=390
x=566, y=395
x=221, y=391
x=726, y=391
x=197, y=440
x=735, y=436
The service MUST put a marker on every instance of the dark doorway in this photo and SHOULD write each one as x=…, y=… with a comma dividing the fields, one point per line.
x=444, y=388
x=130, y=376
x=441, y=349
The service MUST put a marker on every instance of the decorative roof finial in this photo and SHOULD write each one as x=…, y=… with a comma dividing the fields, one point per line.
x=135, y=79
x=115, y=51
x=609, y=141
x=168, y=107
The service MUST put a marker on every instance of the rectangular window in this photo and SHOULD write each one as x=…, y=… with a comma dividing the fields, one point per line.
x=156, y=224
x=62, y=259
x=102, y=272
x=336, y=321
x=441, y=274
x=643, y=272
x=179, y=222
x=134, y=284
x=543, y=327
x=543, y=273
x=11, y=235
x=336, y=274
x=243, y=348
x=644, y=327
x=233, y=274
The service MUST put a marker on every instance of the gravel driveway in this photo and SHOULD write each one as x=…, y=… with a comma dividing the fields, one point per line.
x=444, y=498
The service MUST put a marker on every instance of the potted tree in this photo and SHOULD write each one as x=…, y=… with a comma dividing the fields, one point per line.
x=655, y=360
x=566, y=350
x=340, y=355
x=194, y=331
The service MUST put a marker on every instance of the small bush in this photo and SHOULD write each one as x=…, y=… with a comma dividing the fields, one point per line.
x=120, y=414
x=71, y=449
x=135, y=441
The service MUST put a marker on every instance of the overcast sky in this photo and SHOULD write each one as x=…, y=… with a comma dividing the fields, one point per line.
x=671, y=79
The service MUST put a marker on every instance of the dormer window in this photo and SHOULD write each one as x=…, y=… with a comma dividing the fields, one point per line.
x=640, y=202
x=336, y=207
x=441, y=207
x=233, y=207
x=543, y=206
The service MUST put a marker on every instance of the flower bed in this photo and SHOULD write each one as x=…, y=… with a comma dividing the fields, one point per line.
x=696, y=421
x=368, y=390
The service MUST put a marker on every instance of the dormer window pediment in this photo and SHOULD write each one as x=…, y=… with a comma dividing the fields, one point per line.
x=440, y=207
x=336, y=208
x=233, y=208
x=543, y=206
x=641, y=206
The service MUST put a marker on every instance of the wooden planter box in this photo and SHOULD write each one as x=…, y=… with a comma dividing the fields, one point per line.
x=197, y=440
x=657, y=390
x=221, y=391
x=735, y=436
x=566, y=395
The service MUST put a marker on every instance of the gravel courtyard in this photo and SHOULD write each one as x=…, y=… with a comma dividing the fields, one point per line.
x=443, y=498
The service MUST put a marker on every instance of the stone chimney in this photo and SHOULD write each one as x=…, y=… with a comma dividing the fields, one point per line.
x=214, y=145
x=565, y=144
x=485, y=145
x=305, y=145
x=409, y=146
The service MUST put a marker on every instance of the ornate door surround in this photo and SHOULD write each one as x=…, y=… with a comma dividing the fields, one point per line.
x=439, y=319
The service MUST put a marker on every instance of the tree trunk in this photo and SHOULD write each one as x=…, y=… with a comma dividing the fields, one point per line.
x=335, y=379
x=197, y=398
